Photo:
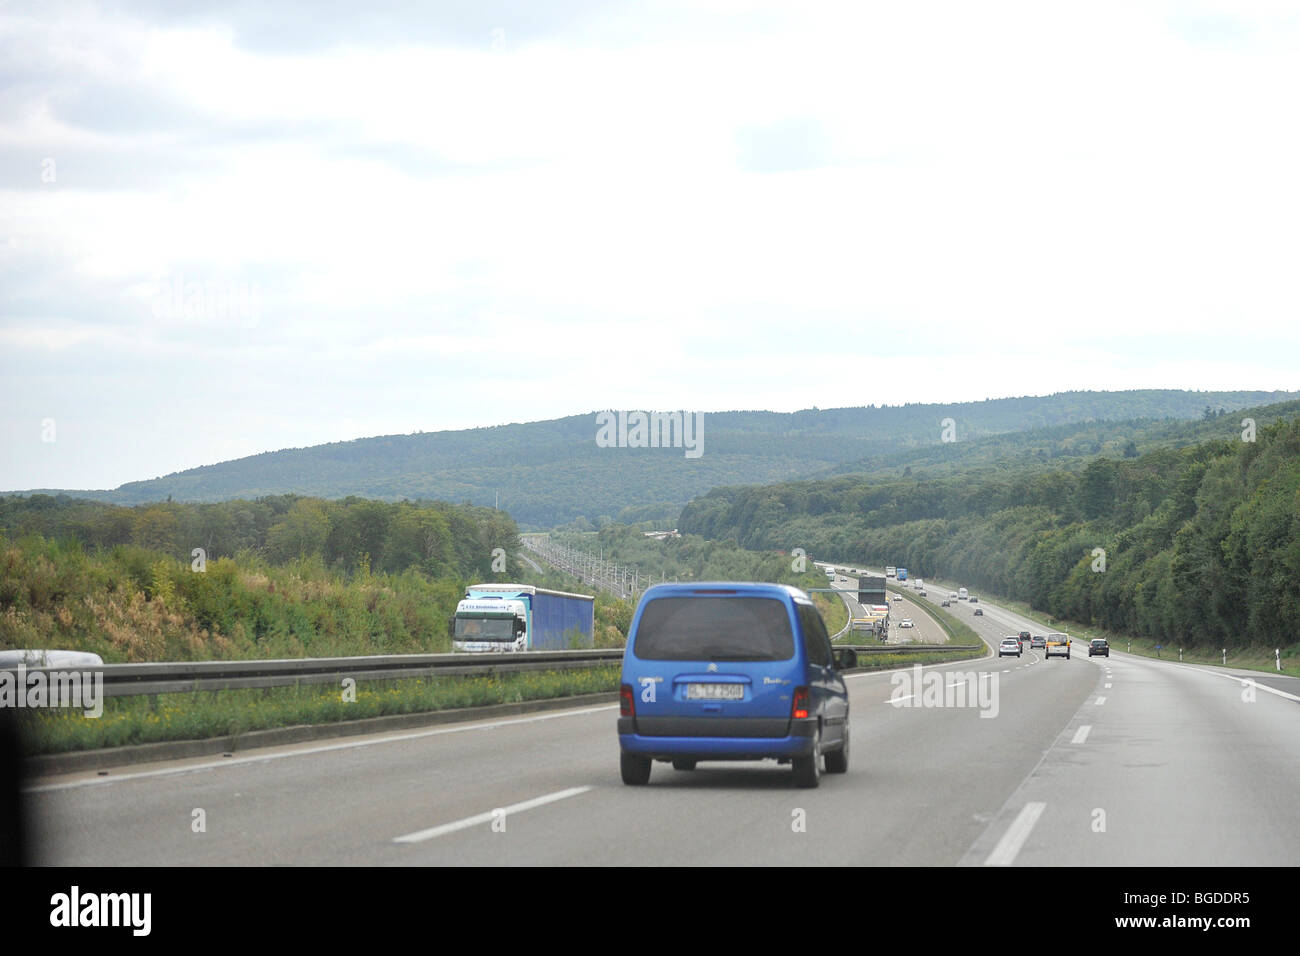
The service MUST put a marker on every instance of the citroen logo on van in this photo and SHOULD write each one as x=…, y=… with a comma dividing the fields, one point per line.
x=713, y=668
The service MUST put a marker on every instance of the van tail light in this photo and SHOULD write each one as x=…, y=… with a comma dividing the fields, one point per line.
x=799, y=711
x=626, y=701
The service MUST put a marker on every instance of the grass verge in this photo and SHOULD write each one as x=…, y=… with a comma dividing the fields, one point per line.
x=875, y=662
x=200, y=715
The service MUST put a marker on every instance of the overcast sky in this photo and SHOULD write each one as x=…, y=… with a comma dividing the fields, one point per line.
x=233, y=228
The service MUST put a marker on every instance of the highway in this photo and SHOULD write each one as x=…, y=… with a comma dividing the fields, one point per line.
x=925, y=629
x=1083, y=761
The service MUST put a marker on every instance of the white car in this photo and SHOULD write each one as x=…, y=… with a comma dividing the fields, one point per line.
x=906, y=622
x=1009, y=645
x=898, y=597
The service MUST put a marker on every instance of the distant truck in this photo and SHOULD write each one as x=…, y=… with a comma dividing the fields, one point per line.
x=890, y=572
x=962, y=594
x=521, y=617
x=901, y=574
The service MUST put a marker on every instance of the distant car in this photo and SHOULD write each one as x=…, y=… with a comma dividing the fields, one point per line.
x=1037, y=641
x=947, y=604
x=920, y=594
x=898, y=597
x=1099, y=647
x=952, y=594
x=974, y=600
x=1024, y=636
x=1009, y=645
x=979, y=612
x=727, y=671
x=906, y=622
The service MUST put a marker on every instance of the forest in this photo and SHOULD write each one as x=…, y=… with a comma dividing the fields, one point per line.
x=276, y=577
x=1199, y=544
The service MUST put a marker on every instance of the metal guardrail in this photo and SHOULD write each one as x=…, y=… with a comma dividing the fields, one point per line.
x=124, y=680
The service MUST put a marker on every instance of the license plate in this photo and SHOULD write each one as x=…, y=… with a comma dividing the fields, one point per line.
x=715, y=691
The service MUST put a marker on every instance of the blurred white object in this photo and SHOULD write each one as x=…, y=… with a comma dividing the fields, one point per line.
x=50, y=659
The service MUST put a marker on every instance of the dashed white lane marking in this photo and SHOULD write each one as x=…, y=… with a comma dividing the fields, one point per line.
x=1004, y=854
x=419, y=836
x=1101, y=700
x=1081, y=734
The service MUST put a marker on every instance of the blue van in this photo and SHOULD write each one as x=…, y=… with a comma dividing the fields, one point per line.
x=730, y=671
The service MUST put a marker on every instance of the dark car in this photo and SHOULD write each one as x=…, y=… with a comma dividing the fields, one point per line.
x=974, y=599
x=1098, y=646
x=979, y=612
x=1037, y=641
x=731, y=671
x=947, y=604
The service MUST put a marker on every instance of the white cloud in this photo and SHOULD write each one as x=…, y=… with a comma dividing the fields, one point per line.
x=968, y=200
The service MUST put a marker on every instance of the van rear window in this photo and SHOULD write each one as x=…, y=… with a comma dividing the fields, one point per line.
x=715, y=629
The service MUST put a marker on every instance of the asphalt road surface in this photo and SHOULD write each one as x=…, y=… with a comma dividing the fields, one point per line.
x=994, y=762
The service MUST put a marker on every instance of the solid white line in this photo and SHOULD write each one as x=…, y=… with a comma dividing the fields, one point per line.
x=896, y=699
x=1101, y=700
x=324, y=748
x=1004, y=854
x=1081, y=734
x=419, y=836
x=1250, y=680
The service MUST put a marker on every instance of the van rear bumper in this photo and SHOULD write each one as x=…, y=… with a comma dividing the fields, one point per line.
x=798, y=741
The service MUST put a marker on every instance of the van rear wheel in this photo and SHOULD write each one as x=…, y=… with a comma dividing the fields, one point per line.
x=838, y=762
x=635, y=769
x=808, y=770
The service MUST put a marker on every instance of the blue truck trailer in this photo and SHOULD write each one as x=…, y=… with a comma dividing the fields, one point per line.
x=521, y=617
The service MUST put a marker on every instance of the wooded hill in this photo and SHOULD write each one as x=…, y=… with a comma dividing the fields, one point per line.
x=553, y=472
